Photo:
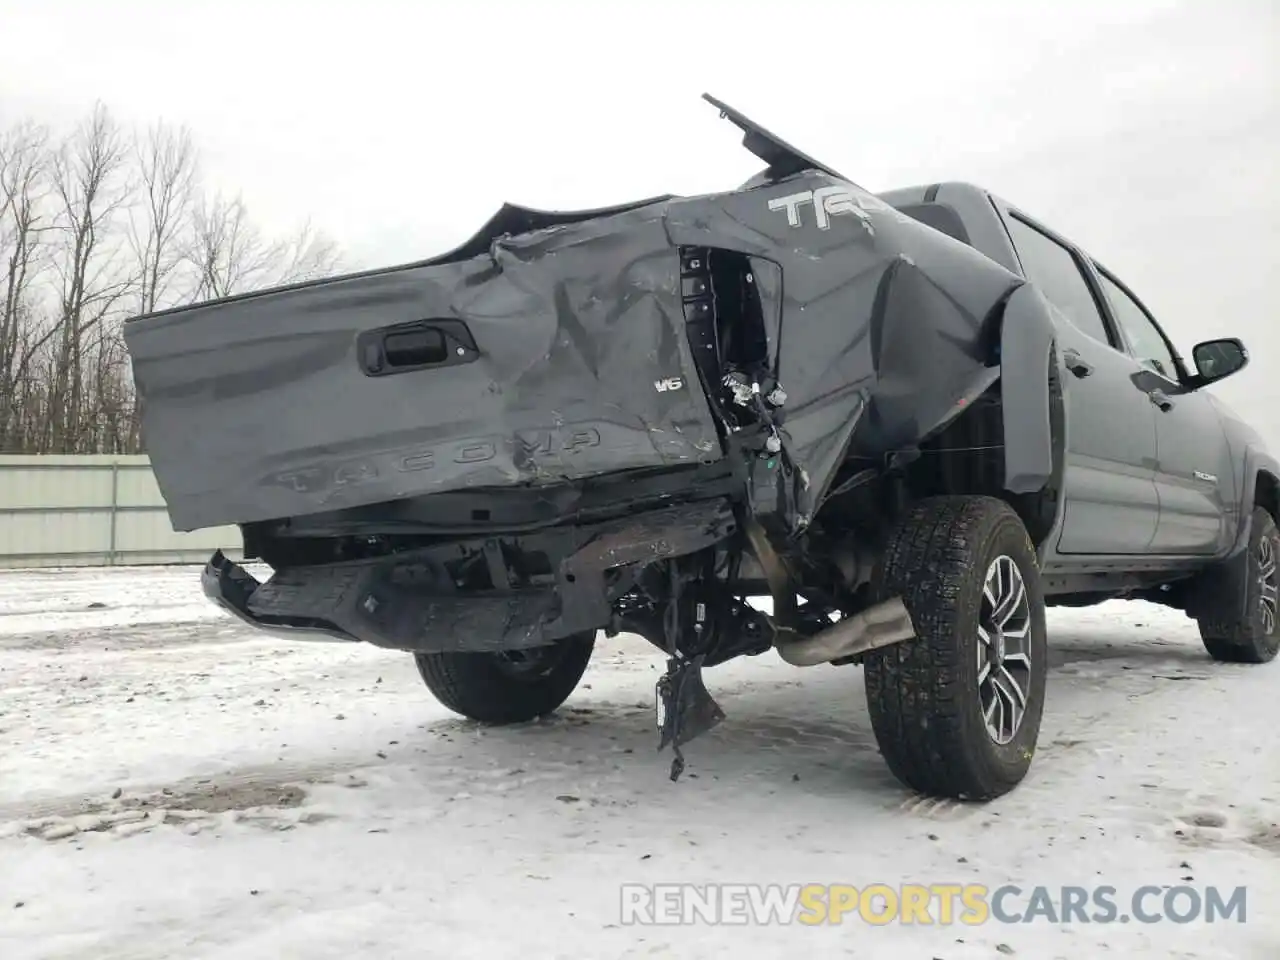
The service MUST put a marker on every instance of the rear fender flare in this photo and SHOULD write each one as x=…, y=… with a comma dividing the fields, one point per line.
x=1027, y=339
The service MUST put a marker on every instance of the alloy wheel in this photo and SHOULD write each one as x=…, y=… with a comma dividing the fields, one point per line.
x=1004, y=650
x=1268, y=583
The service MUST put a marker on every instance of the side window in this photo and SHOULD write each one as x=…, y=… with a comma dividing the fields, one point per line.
x=1052, y=268
x=939, y=216
x=1140, y=330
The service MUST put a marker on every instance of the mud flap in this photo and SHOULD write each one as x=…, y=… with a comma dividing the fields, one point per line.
x=683, y=707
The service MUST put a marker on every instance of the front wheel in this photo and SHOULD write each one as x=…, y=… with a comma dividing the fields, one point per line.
x=956, y=711
x=511, y=686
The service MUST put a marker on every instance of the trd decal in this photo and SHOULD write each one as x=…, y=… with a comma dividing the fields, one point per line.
x=827, y=202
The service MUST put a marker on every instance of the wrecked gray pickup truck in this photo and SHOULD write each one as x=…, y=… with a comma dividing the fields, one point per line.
x=907, y=419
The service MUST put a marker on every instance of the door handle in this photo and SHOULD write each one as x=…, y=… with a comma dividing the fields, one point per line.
x=1161, y=400
x=1076, y=364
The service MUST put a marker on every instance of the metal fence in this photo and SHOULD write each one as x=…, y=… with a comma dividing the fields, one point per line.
x=93, y=511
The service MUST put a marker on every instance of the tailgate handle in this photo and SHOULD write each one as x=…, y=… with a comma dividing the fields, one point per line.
x=416, y=345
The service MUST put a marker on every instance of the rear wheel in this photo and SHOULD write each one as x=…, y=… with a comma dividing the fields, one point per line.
x=957, y=710
x=1242, y=627
x=511, y=686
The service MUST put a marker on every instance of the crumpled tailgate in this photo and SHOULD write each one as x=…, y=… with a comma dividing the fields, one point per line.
x=565, y=357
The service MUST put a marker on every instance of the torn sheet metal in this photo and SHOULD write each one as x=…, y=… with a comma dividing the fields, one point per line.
x=262, y=407
x=568, y=357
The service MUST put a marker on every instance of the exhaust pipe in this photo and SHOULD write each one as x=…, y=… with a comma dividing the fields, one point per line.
x=880, y=625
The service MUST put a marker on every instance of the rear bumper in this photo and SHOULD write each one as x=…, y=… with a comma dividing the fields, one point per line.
x=380, y=601
x=231, y=586
x=361, y=602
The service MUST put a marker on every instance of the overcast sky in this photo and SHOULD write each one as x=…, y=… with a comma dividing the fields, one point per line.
x=1146, y=130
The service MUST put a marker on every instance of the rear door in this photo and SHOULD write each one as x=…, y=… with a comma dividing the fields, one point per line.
x=1111, y=504
x=1194, y=474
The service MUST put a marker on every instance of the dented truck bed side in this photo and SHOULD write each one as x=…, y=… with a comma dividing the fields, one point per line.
x=569, y=355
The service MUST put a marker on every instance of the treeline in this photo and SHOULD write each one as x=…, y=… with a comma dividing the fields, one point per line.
x=97, y=224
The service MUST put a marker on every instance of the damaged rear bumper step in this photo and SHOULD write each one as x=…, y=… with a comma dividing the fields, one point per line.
x=355, y=602
x=377, y=602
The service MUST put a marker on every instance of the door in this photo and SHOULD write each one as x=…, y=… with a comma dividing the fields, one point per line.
x=1194, y=474
x=1111, y=505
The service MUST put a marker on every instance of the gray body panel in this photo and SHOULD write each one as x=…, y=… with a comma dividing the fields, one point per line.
x=1252, y=464
x=880, y=326
x=1195, y=478
x=1144, y=484
x=1112, y=505
x=256, y=407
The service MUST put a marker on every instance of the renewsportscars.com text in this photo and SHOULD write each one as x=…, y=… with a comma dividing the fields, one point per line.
x=926, y=904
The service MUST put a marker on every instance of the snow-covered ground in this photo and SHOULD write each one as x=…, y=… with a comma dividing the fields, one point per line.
x=173, y=785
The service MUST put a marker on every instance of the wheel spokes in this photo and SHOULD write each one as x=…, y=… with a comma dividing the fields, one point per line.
x=1010, y=685
x=990, y=596
x=1014, y=592
x=1017, y=645
x=994, y=713
x=1266, y=558
x=1003, y=650
x=1268, y=584
x=1009, y=701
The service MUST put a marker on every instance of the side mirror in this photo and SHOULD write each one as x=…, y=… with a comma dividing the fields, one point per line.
x=1215, y=359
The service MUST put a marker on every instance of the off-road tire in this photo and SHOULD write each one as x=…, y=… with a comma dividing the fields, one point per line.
x=923, y=694
x=490, y=688
x=1232, y=626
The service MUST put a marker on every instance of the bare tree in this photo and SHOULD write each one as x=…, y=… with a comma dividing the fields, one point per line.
x=23, y=181
x=161, y=222
x=95, y=226
x=230, y=254
x=228, y=251
x=308, y=255
x=90, y=188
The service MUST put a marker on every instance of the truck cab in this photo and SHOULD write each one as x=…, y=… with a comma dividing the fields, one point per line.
x=1149, y=481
